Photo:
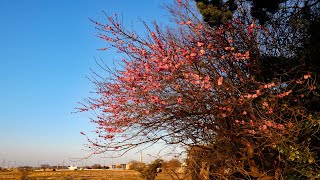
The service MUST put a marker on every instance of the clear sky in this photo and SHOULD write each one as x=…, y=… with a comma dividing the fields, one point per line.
x=46, y=50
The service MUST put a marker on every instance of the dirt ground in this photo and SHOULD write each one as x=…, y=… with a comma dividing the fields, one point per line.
x=77, y=175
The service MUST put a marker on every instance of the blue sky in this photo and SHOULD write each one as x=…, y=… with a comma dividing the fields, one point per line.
x=46, y=50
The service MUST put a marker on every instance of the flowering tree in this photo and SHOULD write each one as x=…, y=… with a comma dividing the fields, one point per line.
x=197, y=86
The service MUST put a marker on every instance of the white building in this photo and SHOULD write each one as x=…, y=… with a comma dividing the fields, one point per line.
x=72, y=168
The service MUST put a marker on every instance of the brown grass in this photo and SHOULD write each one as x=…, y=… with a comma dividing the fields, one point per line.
x=77, y=175
x=70, y=175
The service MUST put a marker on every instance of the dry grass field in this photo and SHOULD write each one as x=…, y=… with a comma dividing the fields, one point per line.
x=69, y=175
x=77, y=175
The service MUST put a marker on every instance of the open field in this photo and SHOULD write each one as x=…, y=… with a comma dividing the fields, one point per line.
x=77, y=175
x=66, y=174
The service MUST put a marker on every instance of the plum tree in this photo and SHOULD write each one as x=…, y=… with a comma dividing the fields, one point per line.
x=199, y=85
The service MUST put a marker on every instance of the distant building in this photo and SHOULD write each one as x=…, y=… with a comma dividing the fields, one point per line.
x=123, y=166
x=119, y=166
x=72, y=168
x=128, y=166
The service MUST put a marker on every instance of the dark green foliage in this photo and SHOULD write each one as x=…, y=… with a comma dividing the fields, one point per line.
x=294, y=52
x=311, y=49
x=216, y=12
x=263, y=10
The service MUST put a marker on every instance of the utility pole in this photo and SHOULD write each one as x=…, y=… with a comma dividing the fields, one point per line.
x=141, y=156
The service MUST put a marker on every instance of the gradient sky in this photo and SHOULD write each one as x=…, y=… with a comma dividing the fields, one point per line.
x=46, y=50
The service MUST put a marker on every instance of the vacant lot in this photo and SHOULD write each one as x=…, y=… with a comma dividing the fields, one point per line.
x=83, y=175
